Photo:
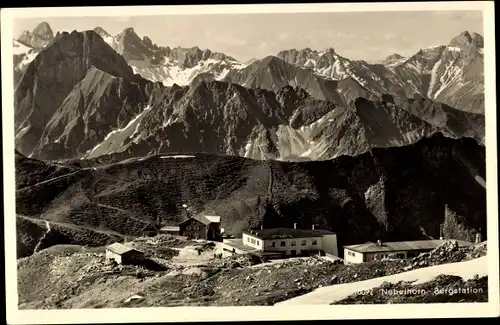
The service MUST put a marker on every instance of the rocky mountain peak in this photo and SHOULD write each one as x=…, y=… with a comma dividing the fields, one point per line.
x=465, y=39
x=394, y=56
x=39, y=37
x=129, y=35
x=477, y=39
x=330, y=50
x=129, y=30
x=43, y=29
x=148, y=42
x=99, y=30
x=270, y=60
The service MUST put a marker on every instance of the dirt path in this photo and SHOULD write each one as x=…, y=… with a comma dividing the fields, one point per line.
x=37, y=247
x=327, y=295
x=48, y=181
x=71, y=226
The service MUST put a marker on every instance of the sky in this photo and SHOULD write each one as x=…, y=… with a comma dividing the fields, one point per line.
x=355, y=35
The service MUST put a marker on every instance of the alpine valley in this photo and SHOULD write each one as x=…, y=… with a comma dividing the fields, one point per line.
x=114, y=132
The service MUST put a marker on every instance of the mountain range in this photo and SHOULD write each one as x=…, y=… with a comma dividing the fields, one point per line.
x=115, y=133
x=85, y=94
x=451, y=74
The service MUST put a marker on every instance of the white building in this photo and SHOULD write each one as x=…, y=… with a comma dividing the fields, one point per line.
x=291, y=241
x=370, y=251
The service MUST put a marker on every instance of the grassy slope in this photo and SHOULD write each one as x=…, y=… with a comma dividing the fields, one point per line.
x=415, y=183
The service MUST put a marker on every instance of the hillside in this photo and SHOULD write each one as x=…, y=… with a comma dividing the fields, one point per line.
x=392, y=194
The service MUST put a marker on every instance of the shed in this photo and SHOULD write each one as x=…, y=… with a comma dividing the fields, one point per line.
x=123, y=254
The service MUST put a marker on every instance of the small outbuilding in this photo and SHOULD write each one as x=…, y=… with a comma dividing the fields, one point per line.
x=123, y=254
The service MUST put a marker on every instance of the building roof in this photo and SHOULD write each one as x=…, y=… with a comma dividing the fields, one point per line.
x=371, y=247
x=283, y=233
x=120, y=249
x=214, y=219
x=150, y=227
x=203, y=219
x=170, y=228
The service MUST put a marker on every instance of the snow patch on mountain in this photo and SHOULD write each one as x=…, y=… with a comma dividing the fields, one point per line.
x=25, y=55
x=115, y=138
x=451, y=74
x=178, y=157
x=170, y=73
x=432, y=82
x=20, y=48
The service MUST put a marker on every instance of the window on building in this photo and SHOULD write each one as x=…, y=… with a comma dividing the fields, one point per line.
x=196, y=227
x=273, y=244
x=293, y=243
x=315, y=242
x=188, y=228
x=304, y=242
x=283, y=244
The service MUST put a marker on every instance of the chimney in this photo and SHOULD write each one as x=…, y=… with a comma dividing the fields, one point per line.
x=295, y=225
x=261, y=226
x=478, y=238
x=379, y=242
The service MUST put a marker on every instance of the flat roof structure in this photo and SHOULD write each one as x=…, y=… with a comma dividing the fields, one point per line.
x=170, y=228
x=238, y=244
x=120, y=249
x=414, y=245
x=214, y=219
x=284, y=233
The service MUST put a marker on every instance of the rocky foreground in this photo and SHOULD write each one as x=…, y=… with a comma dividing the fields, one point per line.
x=65, y=276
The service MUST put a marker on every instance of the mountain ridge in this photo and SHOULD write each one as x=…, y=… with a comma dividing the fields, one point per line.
x=104, y=107
x=458, y=84
x=387, y=193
